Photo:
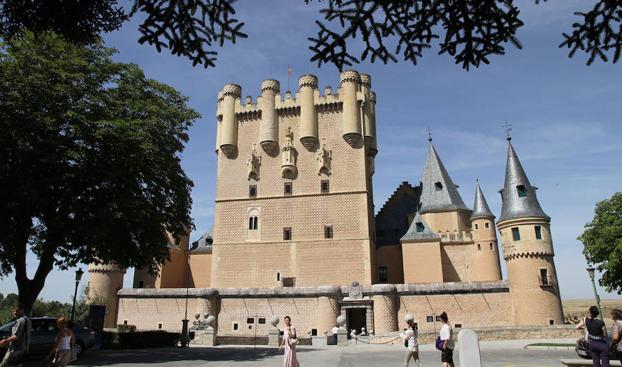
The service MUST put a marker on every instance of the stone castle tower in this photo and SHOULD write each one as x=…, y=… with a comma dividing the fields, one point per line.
x=295, y=233
x=528, y=249
x=294, y=191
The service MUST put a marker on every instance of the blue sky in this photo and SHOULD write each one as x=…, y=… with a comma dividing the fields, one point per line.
x=565, y=117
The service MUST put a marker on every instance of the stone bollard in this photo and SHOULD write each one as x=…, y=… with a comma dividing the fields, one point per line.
x=274, y=334
x=342, y=333
x=468, y=344
x=209, y=337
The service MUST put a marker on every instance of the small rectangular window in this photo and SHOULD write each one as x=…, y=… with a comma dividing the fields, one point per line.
x=438, y=186
x=492, y=247
x=252, y=191
x=383, y=274
x=159, y=326
x=479, y=247
x=551, y=322
x=457, y=326
x=289, y=282
x=324, y=186
x=313, y=332
x=487, y=225
x=538, y=232
x=328, y=231
x=278, y=277
x=521, y=190
x=287, y=234
x=438, y=318
x=261, y=320
x=476, y=226
x=287, y=188
x=429, y=318
x=544, y=277
x=515, y=234
x=250, y=320
x=235, y=326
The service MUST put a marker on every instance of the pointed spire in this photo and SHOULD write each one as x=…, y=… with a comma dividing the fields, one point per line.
x=519, y=196
x=438, y=192
x=419, y=230
x=480, y=207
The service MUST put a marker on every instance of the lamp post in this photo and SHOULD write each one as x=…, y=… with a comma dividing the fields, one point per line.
x=591, y=272
x=184, y=338
x=79, y=274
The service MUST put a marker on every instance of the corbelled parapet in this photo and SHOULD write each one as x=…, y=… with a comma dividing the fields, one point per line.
x=308, y=114
x=105, y=268
x=350, y=81
x=229, y=129
x=269, y=128
x=354, y=99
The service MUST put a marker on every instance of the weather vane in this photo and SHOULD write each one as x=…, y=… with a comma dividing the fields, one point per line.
x=429, y=134
x=508, y=130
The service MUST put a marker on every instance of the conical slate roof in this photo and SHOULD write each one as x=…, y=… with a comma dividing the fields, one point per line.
x=480, y=207
x=204, y=244
x=519, y=197
x=438, y=190
x=419, y=230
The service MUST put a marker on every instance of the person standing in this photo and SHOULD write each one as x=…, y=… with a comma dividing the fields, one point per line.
x=597, y=338
x=65, y=341
x=446, y=338
x=410, y=337
x=290, y=340
x=19, y=341
x=335, y=332
x=616, y=333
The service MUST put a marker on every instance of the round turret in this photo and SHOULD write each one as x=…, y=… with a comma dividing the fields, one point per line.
x=105, y=280
x=269, y=128
x=308, y=115
x=351, y=128
x=229, y=125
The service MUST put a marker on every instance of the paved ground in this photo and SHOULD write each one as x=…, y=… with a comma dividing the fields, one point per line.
x=494, y=354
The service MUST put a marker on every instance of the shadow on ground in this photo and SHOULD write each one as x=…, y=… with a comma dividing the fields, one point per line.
x=148, y=356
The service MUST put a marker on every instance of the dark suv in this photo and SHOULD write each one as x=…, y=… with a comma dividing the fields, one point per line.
x=44, y=333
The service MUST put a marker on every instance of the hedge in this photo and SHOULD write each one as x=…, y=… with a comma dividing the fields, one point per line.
x=140, y=339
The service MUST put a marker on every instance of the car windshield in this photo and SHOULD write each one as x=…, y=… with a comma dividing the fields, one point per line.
x=7, y=327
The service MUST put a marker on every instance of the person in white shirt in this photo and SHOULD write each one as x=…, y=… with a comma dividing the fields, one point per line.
x=411, y=343
x=335, y=331
x=447, y=352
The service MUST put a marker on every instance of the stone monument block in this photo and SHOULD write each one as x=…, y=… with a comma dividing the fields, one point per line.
x=468, y=344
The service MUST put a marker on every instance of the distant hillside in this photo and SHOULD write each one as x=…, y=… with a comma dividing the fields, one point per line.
x=576, y=309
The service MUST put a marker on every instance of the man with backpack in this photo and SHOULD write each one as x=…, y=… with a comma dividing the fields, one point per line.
x=19, y=341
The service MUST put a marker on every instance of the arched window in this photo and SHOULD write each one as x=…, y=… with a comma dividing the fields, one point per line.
x=253, y=223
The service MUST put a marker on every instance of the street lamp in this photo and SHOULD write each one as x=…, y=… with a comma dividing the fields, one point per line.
x=184, y=339
x=79, y=274
x=591, y=272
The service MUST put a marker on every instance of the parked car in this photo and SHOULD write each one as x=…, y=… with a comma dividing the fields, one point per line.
x=583, y=351
x=44, y=331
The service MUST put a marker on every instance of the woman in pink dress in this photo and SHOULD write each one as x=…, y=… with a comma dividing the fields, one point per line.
x=289, y=344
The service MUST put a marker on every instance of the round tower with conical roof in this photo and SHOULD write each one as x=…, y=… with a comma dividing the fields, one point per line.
x=528, y=250
x=105, y=280
x=486, y=259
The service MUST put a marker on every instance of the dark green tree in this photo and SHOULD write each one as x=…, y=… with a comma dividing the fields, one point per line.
x=89, y=160
x=602, y=239
x=470, y=31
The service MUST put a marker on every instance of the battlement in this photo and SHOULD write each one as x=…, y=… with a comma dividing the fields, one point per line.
x=354, y=99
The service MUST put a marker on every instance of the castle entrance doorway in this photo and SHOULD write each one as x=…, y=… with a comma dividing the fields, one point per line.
x=356, y=319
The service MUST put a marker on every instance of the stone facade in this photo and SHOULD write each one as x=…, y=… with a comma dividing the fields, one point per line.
x=295, y=233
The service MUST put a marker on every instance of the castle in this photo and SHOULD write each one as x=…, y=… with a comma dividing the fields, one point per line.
x=295, y=232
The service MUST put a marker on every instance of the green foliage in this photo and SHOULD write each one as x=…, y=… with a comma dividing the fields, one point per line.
x=602, y=239
x=90, y=167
